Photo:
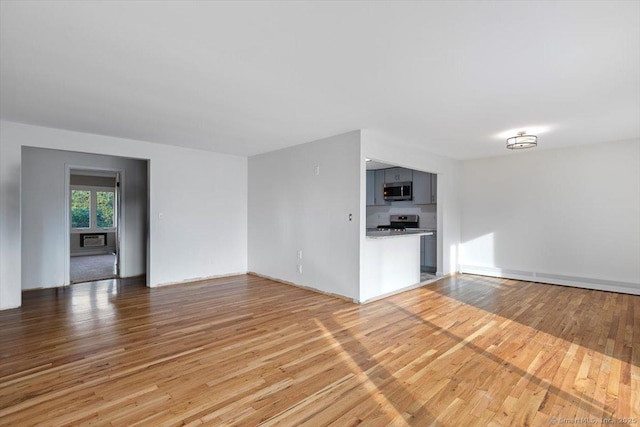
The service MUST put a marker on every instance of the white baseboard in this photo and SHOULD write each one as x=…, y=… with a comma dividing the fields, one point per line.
x=354, y=300
x=197, y=279
x=405, y=289
x=93, y=252
x=308, y=288
x=554, y=279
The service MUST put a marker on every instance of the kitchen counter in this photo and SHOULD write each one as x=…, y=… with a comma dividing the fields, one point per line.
x=385, y=234
x=390, y=262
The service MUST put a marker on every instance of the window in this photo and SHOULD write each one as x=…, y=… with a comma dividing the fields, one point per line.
x=104, y=209
x=92, y=208
x=80, y=209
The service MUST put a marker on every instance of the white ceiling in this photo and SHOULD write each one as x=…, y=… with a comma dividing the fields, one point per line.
x=251, y=77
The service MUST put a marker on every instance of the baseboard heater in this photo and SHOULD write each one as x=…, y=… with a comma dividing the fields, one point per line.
x=93, y=240
x=554, y=279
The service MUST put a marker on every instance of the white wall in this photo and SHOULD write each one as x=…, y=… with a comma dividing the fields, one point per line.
x=44, y=213
x=566, y=216
x=202, y=196
x=291, y=208
x=392, y=151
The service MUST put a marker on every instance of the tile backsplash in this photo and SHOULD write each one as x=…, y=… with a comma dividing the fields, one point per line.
x=379, y=215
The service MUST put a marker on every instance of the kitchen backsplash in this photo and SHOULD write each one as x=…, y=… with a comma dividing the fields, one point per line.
x=379, y=215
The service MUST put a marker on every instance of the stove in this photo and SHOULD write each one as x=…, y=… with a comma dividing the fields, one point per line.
x=401, y=222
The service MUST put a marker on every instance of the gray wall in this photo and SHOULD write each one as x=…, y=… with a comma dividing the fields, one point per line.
x=44, y=213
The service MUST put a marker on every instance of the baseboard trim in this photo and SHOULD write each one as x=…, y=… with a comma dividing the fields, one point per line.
x=308, y=288
x=554, y=279
x=408, y=288
x=93, y=252
x=197, y=279
x=353, y=300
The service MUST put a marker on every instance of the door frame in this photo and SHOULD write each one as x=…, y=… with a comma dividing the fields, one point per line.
x=120, y=216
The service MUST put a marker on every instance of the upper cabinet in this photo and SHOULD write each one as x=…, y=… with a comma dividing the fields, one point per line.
x=421, y=188
x=425, y=186
x=397, y=175
x=375, y=188
x=434, y=188
x=371, y=176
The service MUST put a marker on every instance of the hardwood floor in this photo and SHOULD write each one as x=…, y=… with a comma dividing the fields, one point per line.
x=465, y=351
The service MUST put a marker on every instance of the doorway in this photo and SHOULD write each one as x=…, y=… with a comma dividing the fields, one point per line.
x=94, y=224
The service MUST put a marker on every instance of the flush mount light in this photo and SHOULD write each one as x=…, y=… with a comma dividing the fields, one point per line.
x=522, y=141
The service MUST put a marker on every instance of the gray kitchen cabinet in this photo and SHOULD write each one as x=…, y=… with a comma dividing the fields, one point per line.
x=434, y=188
x=397, y=175
x=371, y=187
x=421, y=188
x=425, y=186
x=428, y=255
x=375, y=188
x=379, y=189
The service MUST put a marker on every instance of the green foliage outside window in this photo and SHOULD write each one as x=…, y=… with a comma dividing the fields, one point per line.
x=81, y=215
x=104, y=209
x=80, y=209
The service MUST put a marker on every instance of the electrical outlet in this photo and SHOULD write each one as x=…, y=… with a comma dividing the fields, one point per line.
x=316, y=170
x=300, y=268
x=300, y=254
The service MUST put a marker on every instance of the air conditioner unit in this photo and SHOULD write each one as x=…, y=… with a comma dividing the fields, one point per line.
x=94, y=240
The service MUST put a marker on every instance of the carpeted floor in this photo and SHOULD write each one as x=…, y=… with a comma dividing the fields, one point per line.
x=92, y=267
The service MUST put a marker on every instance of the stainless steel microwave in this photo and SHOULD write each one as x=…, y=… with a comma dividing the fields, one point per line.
x=398, y=191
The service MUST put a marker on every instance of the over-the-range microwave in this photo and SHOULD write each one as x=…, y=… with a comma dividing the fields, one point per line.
x=398, y=191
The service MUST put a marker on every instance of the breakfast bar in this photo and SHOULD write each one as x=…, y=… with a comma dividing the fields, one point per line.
x=391, y=261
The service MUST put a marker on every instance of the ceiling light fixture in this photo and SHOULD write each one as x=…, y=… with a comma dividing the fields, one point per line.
x=522, y=141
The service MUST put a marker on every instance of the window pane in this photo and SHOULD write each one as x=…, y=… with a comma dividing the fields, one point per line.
x=80, y=208
x=104, y=209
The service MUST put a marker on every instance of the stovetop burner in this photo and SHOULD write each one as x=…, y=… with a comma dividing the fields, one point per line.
x=401, y=222
x=394, y=227
x=404, y=221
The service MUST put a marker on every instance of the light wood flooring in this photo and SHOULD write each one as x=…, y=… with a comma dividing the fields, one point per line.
x=464, y=351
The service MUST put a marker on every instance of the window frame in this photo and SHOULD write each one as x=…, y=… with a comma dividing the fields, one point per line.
x=93, y=211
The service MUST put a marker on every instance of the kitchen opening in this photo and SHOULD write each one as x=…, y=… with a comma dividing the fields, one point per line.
x=403, y=202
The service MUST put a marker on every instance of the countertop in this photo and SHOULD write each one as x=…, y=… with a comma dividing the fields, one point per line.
x=385, y=234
